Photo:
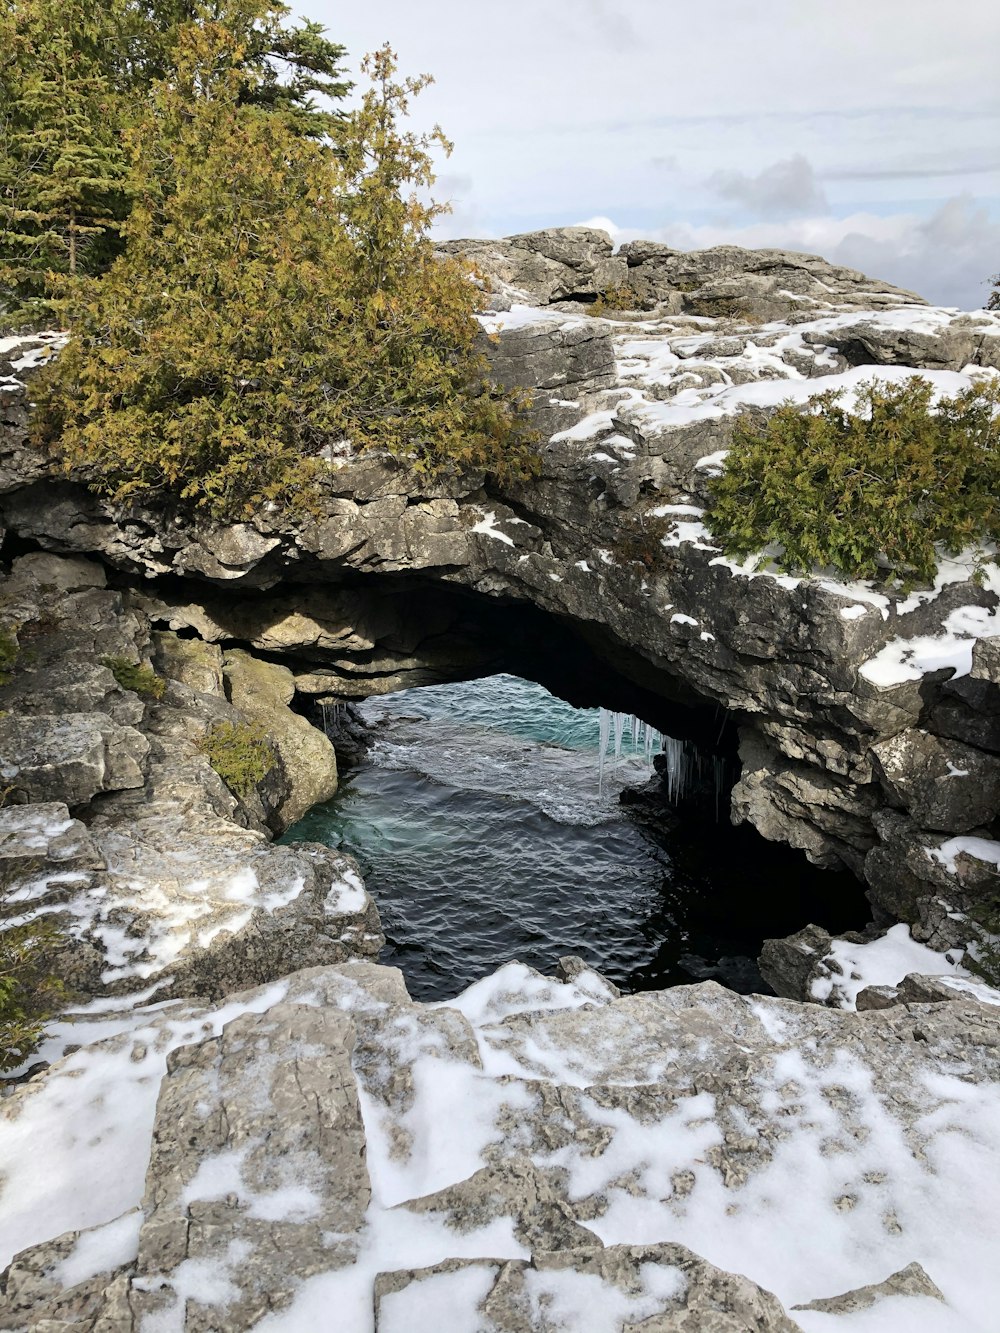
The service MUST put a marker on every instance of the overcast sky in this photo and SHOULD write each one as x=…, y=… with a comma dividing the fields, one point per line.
x=862, y=130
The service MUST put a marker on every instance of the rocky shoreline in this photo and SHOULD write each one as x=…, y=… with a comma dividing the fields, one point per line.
x=245, y=1121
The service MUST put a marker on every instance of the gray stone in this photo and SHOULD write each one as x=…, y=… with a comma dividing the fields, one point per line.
x=35, y=835
x=515, y=1188
x=37, y=1297
x=941, y=783
x=274, y=1102
x=909, y=1281
x=190, y=661
x=547, y=266
x=69, y=758
x=263, y=691
x=666, y=1287
x=788, y=965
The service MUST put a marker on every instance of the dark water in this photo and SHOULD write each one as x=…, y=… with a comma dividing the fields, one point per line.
x=483, y=836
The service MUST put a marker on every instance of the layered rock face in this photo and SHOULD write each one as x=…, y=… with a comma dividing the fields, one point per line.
x=579, y=265
x=868, y=721
x=117, y=827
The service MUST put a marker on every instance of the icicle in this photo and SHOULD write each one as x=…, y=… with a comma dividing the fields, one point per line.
x=619, y=723
x=604, y=725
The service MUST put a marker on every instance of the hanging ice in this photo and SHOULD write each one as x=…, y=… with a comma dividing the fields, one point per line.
x=686, y=767
x=604, y=724
x=619, y=725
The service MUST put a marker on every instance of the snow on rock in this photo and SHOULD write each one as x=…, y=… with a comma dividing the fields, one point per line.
x=487, y=525
x=535, y=1154
x=980, y=849
x=904, y=659
x=848, y=968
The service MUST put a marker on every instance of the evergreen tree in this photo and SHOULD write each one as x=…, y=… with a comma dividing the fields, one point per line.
x=61, y=164
x=283, y=66
x=275, y=296
x=75, y=76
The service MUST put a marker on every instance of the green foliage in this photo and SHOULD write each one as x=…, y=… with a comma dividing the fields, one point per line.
x=622, y=297
x=9, y=651
x=869, y=493
x=240, y=753
x=280, y=67
x=29, y=993
x=276, y=296
x=721, y=307
x=135, y=676
x=61, y=165
x=76, y=77
x=984, y=958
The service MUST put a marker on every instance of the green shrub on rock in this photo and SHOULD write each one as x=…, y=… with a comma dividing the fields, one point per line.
x=277, y=295
x=871, y=492
x=29, y=993
x=240, y=753
x=135, y=676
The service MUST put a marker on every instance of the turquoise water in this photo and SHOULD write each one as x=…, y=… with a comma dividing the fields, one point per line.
x=483, y=835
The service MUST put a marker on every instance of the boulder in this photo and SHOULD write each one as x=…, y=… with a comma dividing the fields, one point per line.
x=69, y=758
x=788, y=965
x=263, y=692
x=558, y=264
x=941, y=783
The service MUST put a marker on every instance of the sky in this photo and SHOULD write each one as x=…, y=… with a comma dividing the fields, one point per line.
x=862, y=130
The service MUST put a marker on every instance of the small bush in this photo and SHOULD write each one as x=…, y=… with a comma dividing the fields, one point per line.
x=9, y=650
x=240, y=753
x=622, y=297
x=136, y=677
x=983, y=960
x=642, y=543
x=29, y=993
x=870, y=492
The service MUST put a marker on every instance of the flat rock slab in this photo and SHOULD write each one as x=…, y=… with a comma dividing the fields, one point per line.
x=257, y=1174
x=536, y=1155
x=70, y=757
x=664, y=1288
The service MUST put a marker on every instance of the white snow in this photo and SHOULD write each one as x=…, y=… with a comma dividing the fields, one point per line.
x=678, y=618
x=101, y=1250
x=881, y=962
x=347, y=895
x=487, y=526
x=516, y=989
x=904, y=659
x=94, y=1114
x=440, y=1301
x=980, y=849
x=712, y=462
x=694, y=532
x=853, y=612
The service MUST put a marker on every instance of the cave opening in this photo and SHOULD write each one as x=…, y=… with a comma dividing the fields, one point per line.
x=484, y=832
x=471, y=792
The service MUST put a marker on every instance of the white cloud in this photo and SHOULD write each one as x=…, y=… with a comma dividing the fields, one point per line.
x=846, y=129
x=781, y=190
